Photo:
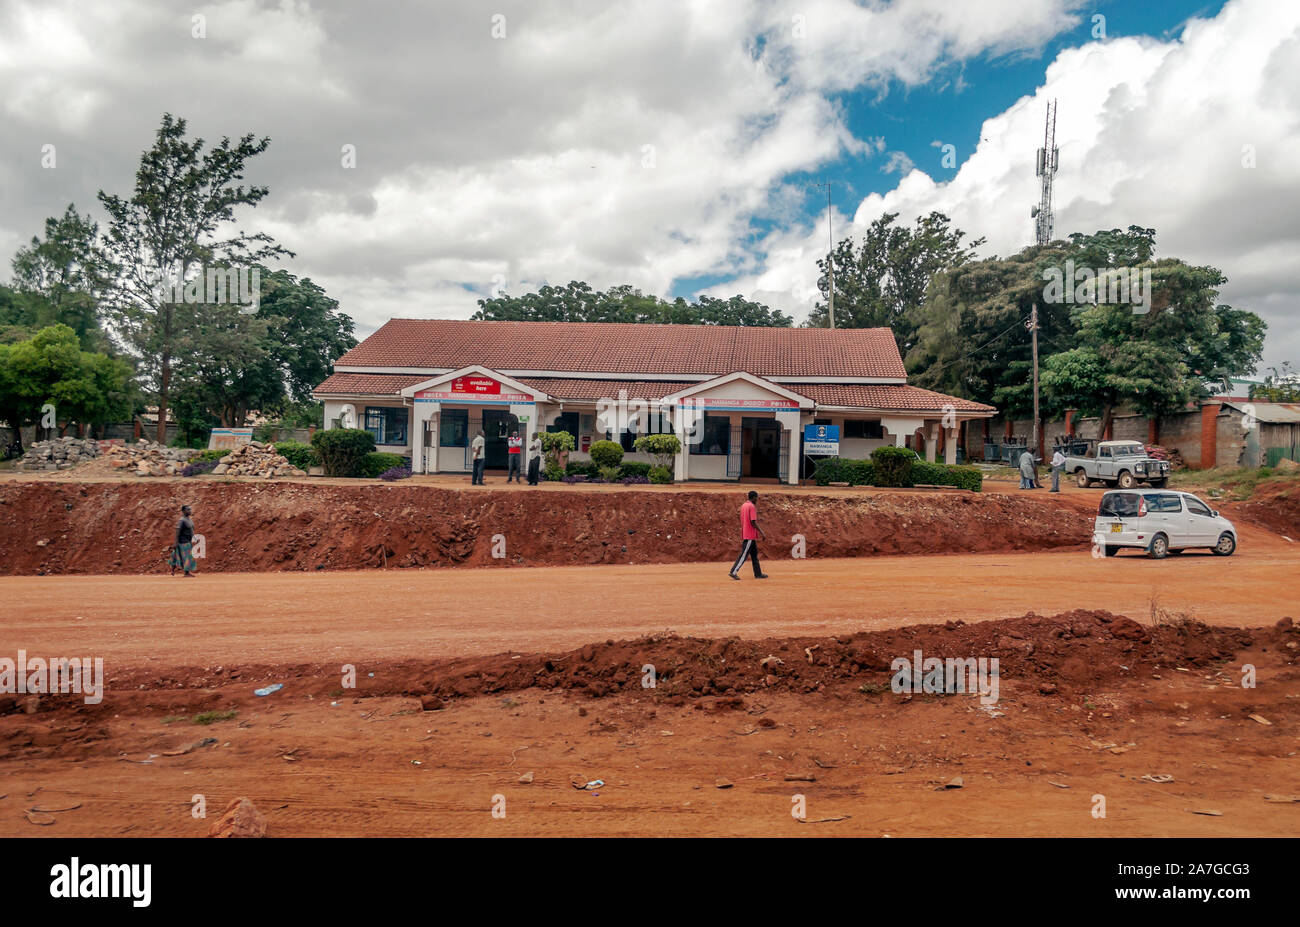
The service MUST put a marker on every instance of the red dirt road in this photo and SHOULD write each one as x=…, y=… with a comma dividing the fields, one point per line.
x=404, y=614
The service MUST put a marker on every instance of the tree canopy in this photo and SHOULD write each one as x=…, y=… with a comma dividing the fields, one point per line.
x=578, y=302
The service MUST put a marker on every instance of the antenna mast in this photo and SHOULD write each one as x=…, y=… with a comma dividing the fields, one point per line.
x=1048, y=160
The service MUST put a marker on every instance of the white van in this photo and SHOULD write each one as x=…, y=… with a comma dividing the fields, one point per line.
x=1161, y=521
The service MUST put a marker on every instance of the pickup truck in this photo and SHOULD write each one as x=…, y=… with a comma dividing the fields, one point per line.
x=1118, y=463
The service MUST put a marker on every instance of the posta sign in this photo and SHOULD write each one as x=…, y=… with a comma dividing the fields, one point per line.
x=476, y=385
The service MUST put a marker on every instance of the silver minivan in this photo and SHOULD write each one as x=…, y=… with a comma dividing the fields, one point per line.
x=1161, y=521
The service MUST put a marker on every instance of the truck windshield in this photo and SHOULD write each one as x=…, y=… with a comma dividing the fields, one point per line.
x=1119, y=504
x=1130, y=450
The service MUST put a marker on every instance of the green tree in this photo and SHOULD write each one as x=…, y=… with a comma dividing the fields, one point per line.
x=63, y=277
x=170, y=230
x=576, y=301
x=1279, y=385
x=881, y=279
x=309, y=333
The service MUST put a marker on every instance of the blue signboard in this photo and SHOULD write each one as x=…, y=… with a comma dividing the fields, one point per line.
x=821, y=439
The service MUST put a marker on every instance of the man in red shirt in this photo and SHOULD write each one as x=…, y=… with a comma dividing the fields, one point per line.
x=750, y=532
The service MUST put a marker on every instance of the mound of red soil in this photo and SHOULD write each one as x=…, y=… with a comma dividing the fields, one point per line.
x=1275, y=507
x=110, y=527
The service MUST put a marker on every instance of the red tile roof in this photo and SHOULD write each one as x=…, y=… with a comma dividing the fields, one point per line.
x=369, y=384
x=612, y=347
x=885, y=397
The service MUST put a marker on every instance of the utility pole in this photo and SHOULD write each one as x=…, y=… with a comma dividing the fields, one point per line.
x=1033, y=331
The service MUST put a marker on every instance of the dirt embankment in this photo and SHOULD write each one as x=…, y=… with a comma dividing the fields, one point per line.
x=1276, y=508
x=126, y=527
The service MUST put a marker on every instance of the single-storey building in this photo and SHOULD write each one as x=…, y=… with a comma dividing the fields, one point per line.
x=739, y=398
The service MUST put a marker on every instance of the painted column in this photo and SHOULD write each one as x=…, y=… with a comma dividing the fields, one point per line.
x=422, y=413
x=790, y=420
x=950, y=446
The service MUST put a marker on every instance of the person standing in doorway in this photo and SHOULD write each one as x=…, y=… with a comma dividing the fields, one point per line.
x=750, y=532
x=1058, y=466
x=183, y=547
x=476, y=448
x=534, y=459
x=514, y=447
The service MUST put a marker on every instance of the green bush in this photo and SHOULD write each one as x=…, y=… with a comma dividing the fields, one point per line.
x=660, y=475
x=609, y=474
x=663, y=447
x=553, y=443
x=853, y=472
x=376, y=462
x=893, y=465
x=966, y=477
x=606, y=453
x=302, y=456
x=343, y=450
x=553, y=473
x=215, y=453
x=634, y=468
x=581, y=468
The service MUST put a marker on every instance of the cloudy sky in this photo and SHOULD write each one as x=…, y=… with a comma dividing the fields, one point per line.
x=672, y=145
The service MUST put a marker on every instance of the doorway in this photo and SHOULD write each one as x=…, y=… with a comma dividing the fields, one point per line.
x=760, y=442
x=497, y=425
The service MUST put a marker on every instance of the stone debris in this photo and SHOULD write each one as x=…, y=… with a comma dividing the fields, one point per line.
x=147, y=458
x=256, y=459
x=241, y=819
x=58, y=454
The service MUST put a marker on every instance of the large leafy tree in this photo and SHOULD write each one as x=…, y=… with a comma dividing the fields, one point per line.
x=309, y=331
x=578, y=302
x=61, y=277
x=85, y=388
x=882, y=278
x=176, y=223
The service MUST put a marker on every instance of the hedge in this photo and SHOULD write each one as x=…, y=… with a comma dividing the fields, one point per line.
x=635, y=468
x=342, y=451
x=376, y=462
x=302, y=456
x=865, y=473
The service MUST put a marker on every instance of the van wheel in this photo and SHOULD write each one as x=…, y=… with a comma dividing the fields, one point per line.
x=1159, y=547
x=1126, y=480
x=1111, y=550
x=1227, y=544
x=1081, y=478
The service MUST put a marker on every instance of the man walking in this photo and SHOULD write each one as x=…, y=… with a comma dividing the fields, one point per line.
x=750, y=532
x=534, y=459
x=1028, y=472
x=514, y=448
x=1058, y=466
x=476, y=454
x=182, y=554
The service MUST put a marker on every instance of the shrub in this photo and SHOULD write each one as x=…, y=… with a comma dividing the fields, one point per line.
x=201, y=466
x=893, y=466
x=213, y=454
x=966, y=477
x=853, y=472
x=606, y=453
x=662, y=447
x=660, y=475
x=302, y=456
x=634, y=468
x=395, y=473
x=553, y=443
x=610, y=474
x=553, y=473
x=377, y=462
x=343, y=450
x=580, y=468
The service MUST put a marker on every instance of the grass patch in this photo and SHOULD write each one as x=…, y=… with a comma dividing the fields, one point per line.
x=208, y=717
x=1232, y=483
x=172, y=719
x=873, y=688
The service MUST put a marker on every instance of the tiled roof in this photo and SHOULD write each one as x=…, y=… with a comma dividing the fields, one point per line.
x=886, y=397
x=369, y=384
x=612, y=347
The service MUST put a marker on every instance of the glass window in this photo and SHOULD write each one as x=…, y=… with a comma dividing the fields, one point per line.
x=716, y=436
x=1103, y=452
x=858, y=428
x=1164, y=502
x=453, y=428
x=565, y=421
x=386, y=424
x=1119, y=504
x=1197, y=507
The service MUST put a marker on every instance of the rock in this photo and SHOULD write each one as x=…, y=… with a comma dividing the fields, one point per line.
x=722, y=783
x=241, y=819
x=1047, y=688
x=1286, y=465
x=526, y=779
x=431, y=703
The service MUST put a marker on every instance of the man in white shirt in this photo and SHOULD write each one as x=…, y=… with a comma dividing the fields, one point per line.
x=1058, y=466
x=476, y=448
x=534, y=459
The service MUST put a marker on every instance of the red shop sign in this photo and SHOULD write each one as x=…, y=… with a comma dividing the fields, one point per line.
x=477, y=385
